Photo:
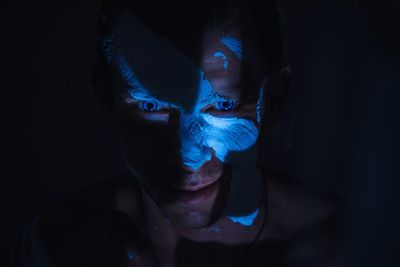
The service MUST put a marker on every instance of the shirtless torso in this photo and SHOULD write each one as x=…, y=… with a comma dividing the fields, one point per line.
x=106, y=225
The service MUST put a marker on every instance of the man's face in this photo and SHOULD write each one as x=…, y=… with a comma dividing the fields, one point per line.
x=185, y=122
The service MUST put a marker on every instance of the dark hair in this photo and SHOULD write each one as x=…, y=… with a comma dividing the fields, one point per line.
x=184, y=22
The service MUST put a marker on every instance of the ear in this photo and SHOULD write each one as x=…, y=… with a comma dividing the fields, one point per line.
x=277, y=92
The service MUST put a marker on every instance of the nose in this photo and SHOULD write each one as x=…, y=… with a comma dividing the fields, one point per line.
x=192, y=136
x=194, y=155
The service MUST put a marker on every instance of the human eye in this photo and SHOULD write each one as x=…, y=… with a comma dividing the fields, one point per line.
x=148, y=106
x=225, y=105
x=152, y=109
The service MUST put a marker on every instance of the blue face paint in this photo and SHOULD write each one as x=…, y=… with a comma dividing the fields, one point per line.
x=199, y=132
x=151, y=65
x=157, y=71
x=194, y=152
x=245, y=220
x=259, y=107
x=234, y=45
x=223, y=135
x=128, y=75
x=226, y=135
x=224, y=58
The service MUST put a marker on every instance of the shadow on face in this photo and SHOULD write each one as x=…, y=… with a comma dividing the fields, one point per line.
x=182, y=117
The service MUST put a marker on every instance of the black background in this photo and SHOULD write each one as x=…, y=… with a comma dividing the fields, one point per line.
x=340, y=130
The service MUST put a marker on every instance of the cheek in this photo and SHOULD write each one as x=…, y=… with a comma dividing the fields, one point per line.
x=144, y=143
x=226, y=135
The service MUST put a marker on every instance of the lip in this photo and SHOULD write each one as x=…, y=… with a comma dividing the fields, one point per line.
x=193, y=195
x=193, y=188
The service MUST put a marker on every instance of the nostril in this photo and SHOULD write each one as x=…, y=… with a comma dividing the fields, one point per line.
x=187, y=169
x=181, y=168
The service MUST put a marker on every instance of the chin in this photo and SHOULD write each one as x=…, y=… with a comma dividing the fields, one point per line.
x=194, y=209
x=184, y=204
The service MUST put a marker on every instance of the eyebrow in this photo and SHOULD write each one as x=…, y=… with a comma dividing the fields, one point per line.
x=139, y=94
x=138, y=91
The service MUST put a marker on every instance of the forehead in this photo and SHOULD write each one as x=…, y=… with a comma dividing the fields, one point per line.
x=151, y=64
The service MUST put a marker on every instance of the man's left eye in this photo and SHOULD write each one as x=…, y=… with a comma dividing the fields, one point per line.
x=225, y=105
x=148, y=106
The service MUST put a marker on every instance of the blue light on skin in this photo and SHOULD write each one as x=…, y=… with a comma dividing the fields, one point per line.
x=136, y=89
x=176, y=87
x=234, y=45
x=247, y=220
x=164, y=72
x=226, y=135
x=201, y=131
x=224, y=58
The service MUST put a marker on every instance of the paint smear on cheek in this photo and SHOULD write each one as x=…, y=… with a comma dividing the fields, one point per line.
x=194, y=149
x=229, y=134
x=201, y=132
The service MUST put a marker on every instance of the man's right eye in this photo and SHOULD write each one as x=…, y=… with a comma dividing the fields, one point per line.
x=148, y=106
x=226, y=105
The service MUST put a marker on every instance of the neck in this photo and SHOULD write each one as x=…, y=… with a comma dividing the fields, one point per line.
x=167, y=239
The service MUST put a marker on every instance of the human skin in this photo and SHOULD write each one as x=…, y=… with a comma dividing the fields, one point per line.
x=190, y=140
x=175, y=200
x=181, y=200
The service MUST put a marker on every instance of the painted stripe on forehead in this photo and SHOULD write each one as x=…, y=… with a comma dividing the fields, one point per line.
x=234, y=45
x=136, y=89
x=160, y=68
x=154, y=68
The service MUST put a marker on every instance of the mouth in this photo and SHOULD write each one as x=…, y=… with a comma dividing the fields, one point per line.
x=193, y=187
x=194, y=194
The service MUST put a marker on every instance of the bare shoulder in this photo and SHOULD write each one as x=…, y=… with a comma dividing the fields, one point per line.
x=89, y=227
x=302, y=226
x=292, y=206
